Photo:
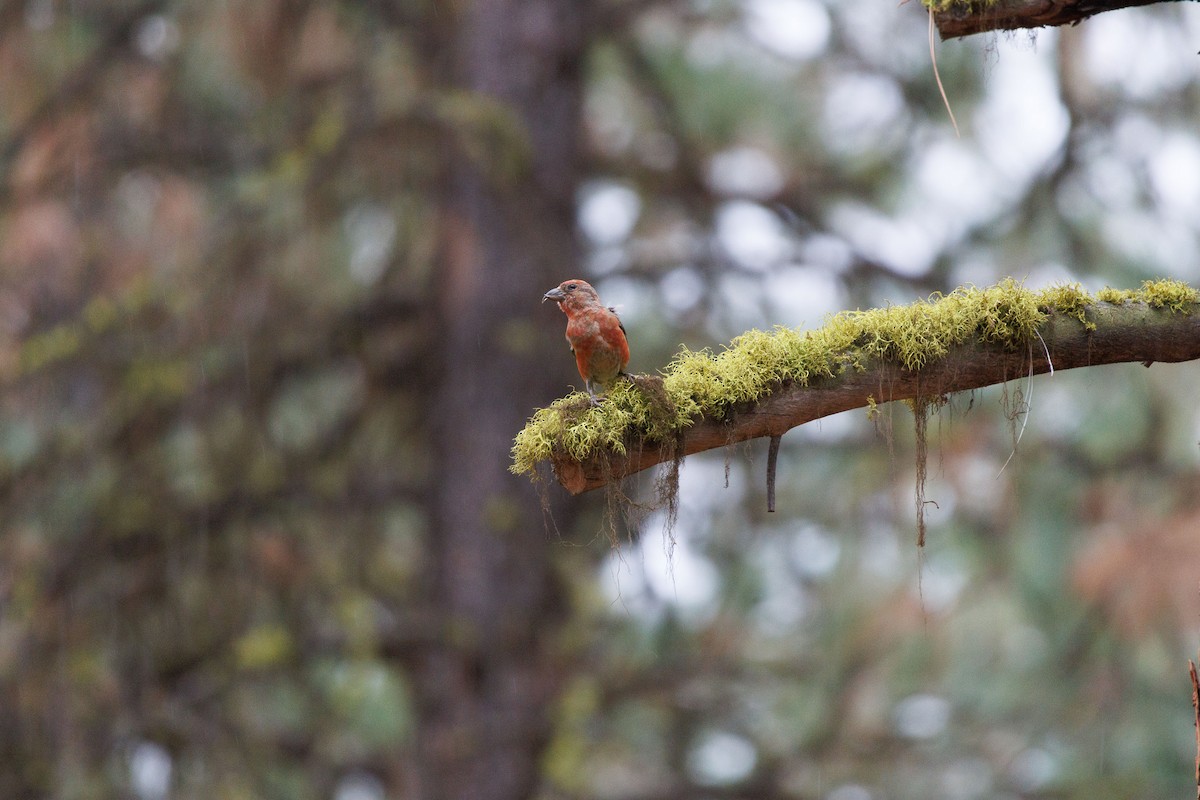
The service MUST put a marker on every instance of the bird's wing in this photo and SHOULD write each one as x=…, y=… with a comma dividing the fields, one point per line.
x=613, y=309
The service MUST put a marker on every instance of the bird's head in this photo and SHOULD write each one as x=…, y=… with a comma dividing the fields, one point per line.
x=572, y=294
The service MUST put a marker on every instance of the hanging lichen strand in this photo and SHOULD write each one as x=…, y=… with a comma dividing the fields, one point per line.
x=650, y=410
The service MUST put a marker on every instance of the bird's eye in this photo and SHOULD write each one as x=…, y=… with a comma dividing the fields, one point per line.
x=572, y=287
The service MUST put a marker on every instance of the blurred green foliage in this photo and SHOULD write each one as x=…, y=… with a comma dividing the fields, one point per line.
x=223, y=236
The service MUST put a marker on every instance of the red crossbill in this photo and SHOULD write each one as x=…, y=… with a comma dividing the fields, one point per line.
x=594, y=332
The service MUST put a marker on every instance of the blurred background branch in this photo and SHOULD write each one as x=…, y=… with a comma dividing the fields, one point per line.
x=958, y=18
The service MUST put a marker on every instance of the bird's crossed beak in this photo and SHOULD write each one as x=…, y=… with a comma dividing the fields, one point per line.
x=555, y=294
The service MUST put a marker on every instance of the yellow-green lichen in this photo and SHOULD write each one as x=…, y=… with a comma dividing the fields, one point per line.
x=872, y=408
x=1166, y=293
x=1069, y=299
x=757, y=363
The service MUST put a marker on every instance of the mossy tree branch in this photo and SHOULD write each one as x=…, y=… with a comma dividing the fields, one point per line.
x=967, y=340
x=1132, y=332
x=955, y=18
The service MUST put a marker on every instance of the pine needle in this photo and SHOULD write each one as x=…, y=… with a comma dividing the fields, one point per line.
x=938, y=77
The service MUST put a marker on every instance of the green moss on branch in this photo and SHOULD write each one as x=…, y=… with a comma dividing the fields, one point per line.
x=756, y=364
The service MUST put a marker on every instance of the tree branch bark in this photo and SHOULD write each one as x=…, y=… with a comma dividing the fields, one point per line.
x=1126, y=332
x=964, y=19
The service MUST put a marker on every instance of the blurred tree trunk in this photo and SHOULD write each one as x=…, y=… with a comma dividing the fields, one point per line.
x=507, y=223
